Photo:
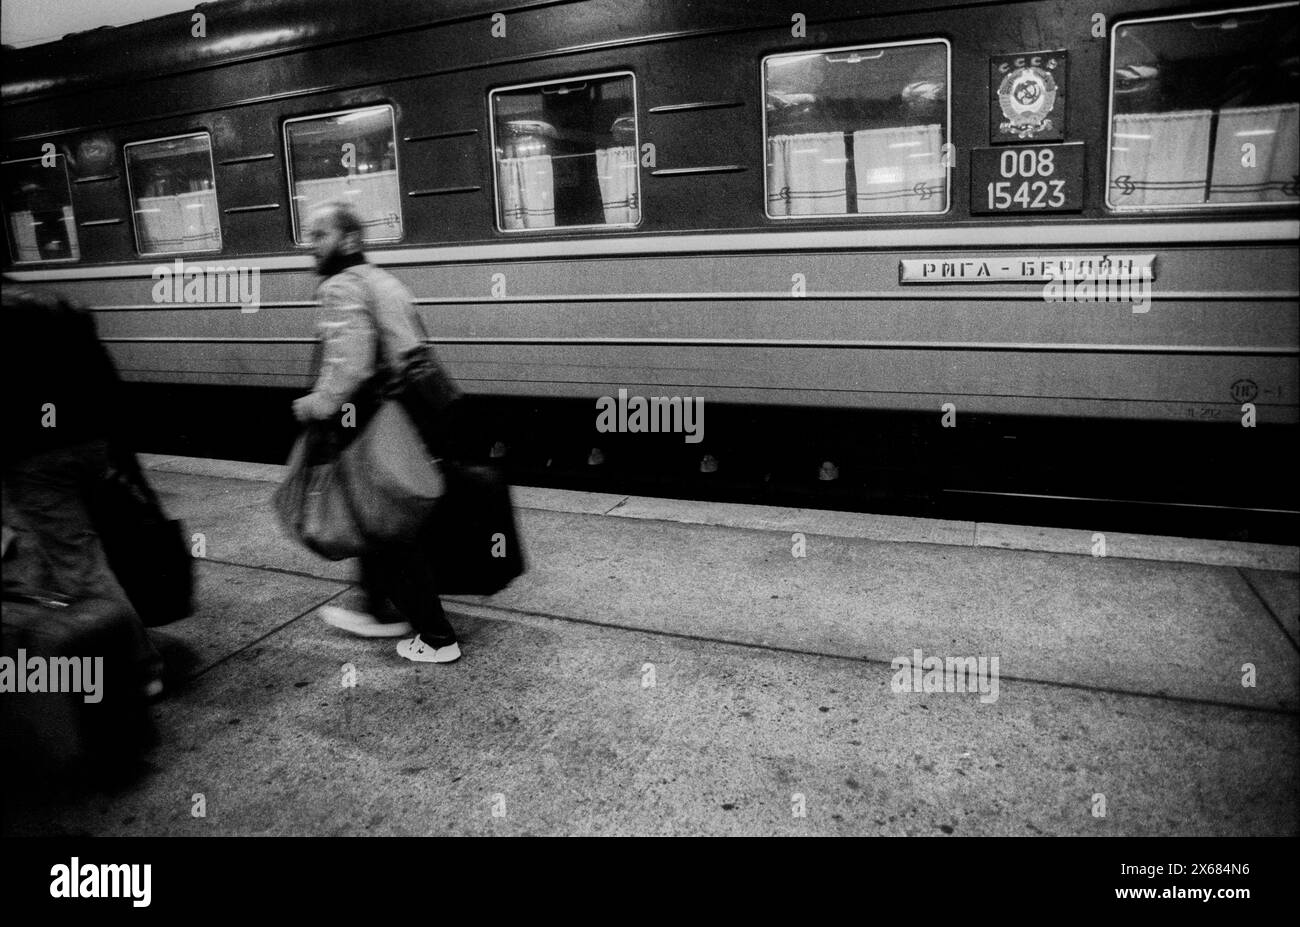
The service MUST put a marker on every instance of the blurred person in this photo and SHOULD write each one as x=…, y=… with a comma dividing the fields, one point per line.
x=399, y=590
x=60, y=418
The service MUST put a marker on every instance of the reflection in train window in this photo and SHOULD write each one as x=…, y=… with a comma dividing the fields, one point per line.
x=566, y=154
x=854, y=131
x=349, y=156
x=1205, y=110
x=173, y=195
x=38, y=205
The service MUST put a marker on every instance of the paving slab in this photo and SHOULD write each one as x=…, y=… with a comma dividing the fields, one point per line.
x=238, y=525
x=1136, y=626
x=1145, y=626
x=1281, y=594
x=234, y=608
x=799, y=520
x=550, y=727
x=652, y=676
x=1139, y=546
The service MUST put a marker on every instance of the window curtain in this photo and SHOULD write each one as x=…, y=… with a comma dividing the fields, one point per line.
x=806, y=174
x=186, y=222
x=23, y=225
x=1270, y=172
x=1160, y=159
x=527, y=190
x=70, y=228
x=616, y=168
x=900, y=169
x=374, y=196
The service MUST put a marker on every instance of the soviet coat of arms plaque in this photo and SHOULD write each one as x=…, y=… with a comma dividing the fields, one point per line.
x=1028, y=91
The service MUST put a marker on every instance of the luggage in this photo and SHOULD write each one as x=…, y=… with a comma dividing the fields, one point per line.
x=391, y=480
x=472, y=532
x=100, y=729
x=146, y=550
x=312, y=503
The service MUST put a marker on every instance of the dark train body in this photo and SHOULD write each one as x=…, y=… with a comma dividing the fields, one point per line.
x=698, y=288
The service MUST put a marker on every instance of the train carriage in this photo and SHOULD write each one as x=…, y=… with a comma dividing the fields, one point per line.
x=845, y=206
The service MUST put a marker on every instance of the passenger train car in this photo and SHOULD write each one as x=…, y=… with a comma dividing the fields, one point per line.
x=1036, y=208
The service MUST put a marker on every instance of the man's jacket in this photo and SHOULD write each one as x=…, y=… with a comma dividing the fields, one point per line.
x=347, y=330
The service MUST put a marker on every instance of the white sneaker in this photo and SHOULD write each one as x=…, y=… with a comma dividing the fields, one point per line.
x=361, y=624
x=418, y=650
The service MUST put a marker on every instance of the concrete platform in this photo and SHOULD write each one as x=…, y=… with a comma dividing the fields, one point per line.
x=672, y=668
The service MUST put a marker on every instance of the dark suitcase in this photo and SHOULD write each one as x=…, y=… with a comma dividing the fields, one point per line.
x=97, y=724
x=475, y=540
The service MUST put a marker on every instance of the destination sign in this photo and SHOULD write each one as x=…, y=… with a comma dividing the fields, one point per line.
x=1038, y=178
x=1027, y=268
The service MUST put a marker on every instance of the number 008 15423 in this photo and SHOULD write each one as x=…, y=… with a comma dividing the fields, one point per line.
x=1026, y=179
x=1026, y=165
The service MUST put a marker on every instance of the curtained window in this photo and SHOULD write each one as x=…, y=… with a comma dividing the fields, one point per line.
x=900, y=170
x=173, y=195
x=805, y=174
x=1204, y=110
x=857, y=131
x=1160, y=159
x=38, y=210
x=566, y=154
x=350, y=156
x=1256, y=155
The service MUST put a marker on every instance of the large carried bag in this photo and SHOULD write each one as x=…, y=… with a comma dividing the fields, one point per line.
x=146, y=550
x=390, y=478
x=89, y=717
x=312, y=502
x=472, y=533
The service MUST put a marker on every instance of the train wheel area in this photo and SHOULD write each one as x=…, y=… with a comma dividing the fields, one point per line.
x=669, y=666
x=1206, y=481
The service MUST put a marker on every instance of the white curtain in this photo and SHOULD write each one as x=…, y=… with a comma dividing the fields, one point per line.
x=186, y=222
x=375, y=197
x=527, y=190
x=1266, y=174
x=70, y=227
x=23, y=226
x=900, y=169
x=1160, y=159
x=616, y=168
x=806, y=174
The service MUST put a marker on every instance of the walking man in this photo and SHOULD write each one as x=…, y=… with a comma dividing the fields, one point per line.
x=367, y=320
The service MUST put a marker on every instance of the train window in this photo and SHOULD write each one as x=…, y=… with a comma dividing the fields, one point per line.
x=38, y=205
x=1205, y=110
x=566, y=154
x=350, y=156
x=857, y=131
x=173, y=194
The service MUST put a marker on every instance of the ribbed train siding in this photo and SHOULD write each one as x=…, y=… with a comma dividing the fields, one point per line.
x=729, y=328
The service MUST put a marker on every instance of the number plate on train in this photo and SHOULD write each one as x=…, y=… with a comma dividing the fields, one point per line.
x=1037, y=178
